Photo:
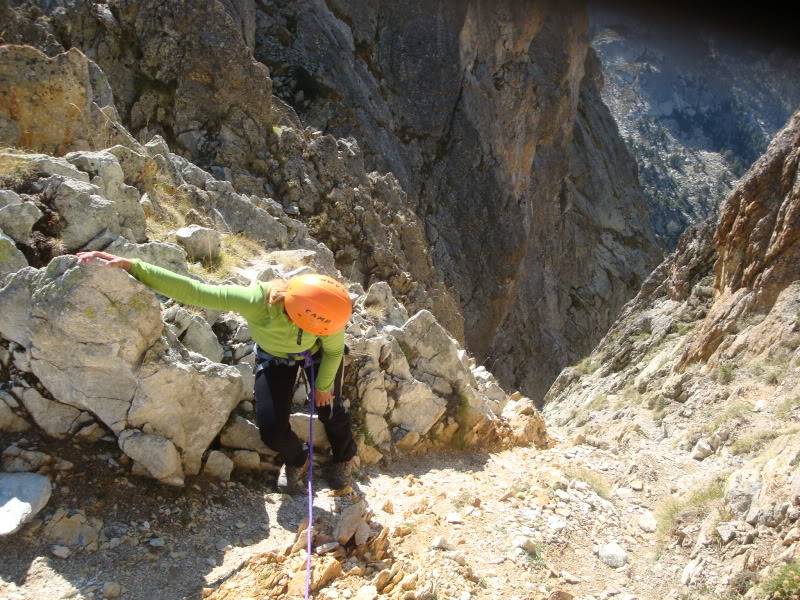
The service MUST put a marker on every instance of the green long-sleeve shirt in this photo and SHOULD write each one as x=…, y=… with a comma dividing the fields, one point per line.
x=270, y=326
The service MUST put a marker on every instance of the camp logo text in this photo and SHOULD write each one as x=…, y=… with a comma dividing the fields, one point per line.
x=314, y=315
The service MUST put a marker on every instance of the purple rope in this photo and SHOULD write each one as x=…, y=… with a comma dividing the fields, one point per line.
x=309, y=363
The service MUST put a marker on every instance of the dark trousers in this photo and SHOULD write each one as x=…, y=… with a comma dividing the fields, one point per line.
x=274, y=390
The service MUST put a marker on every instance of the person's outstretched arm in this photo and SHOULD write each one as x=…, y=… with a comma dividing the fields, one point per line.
x=235, y=298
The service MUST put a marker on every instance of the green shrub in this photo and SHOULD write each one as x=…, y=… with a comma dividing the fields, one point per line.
x=696, y=503
x=733, y=412
x=784, y=584
x=15, y=170
x=596, y=481
x=587, y=366
x=753, y=442
x=787, y=406
x=599, y=402
x=725, y=372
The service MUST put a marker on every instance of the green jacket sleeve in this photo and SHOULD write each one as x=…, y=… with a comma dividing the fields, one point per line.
x=332, y=352
x=238, y=298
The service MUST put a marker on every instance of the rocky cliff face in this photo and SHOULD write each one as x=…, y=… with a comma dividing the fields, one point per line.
x=696, y=108
x=489, y=115
x=472, y=107
x=184, y=71
x=702, y=367
x=86, y=352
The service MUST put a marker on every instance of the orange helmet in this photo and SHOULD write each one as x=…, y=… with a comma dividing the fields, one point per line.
x=317, y=304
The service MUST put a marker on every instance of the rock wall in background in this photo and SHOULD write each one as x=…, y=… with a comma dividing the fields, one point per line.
x=695, y=106
x=481, y=112
x=88, y=353
x=490, y=117
x=703, y=367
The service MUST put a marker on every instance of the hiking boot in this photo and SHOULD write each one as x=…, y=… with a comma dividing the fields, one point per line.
x=296, y=478
x=339, y=474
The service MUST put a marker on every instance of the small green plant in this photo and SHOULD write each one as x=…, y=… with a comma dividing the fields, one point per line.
x=599, y=402
x=631, y=396
x=787, y=406
x=14, y=170
x=702, y=495
x=696, y=503
x=733, y=412
x=596, y=481
x=536, y=556
x=580, y=417
x=752, y=442
x=756, y=441
x=784, y=584
x=376, y=311
x=667, y=515
x=659, y=406
x=587, y=366
x=171, y=204
x=236, y=251
x=725, y=372
x=775, y=375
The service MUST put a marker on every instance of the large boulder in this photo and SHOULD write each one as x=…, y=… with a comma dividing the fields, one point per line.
x=218, y=465
x=11, y=259
x=162, y=254
x=105, y=171
x=432, y=353
x=201, y=243
x=239, y=214
x=95, y=340
x=85, y=212
x=10, y=420
x=187, y=402
x=55, y=105
x=417, y=408
x=299, y=424
x=194, y=332
x=56, y=419
x=155, y=453
x=17, y=220
x=242, y=434
x=380, y=304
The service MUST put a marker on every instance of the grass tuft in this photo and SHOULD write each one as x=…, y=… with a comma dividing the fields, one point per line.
x=596, y=481
x=694, y=504
x=725, y=372
x=755, y=441
x=587, y=366
x=599, y=402
x=171, y=206
x=733, y=412
x=376, y=311
x=787, y=406
x=15, y=170
x=784, y=584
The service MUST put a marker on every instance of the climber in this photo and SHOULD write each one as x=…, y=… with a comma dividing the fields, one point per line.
x=309, y=312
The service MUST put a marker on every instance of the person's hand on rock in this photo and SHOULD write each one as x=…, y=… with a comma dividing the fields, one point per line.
x=105, y=259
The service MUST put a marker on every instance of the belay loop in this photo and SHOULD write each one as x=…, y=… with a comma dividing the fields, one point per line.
x=308, y=363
